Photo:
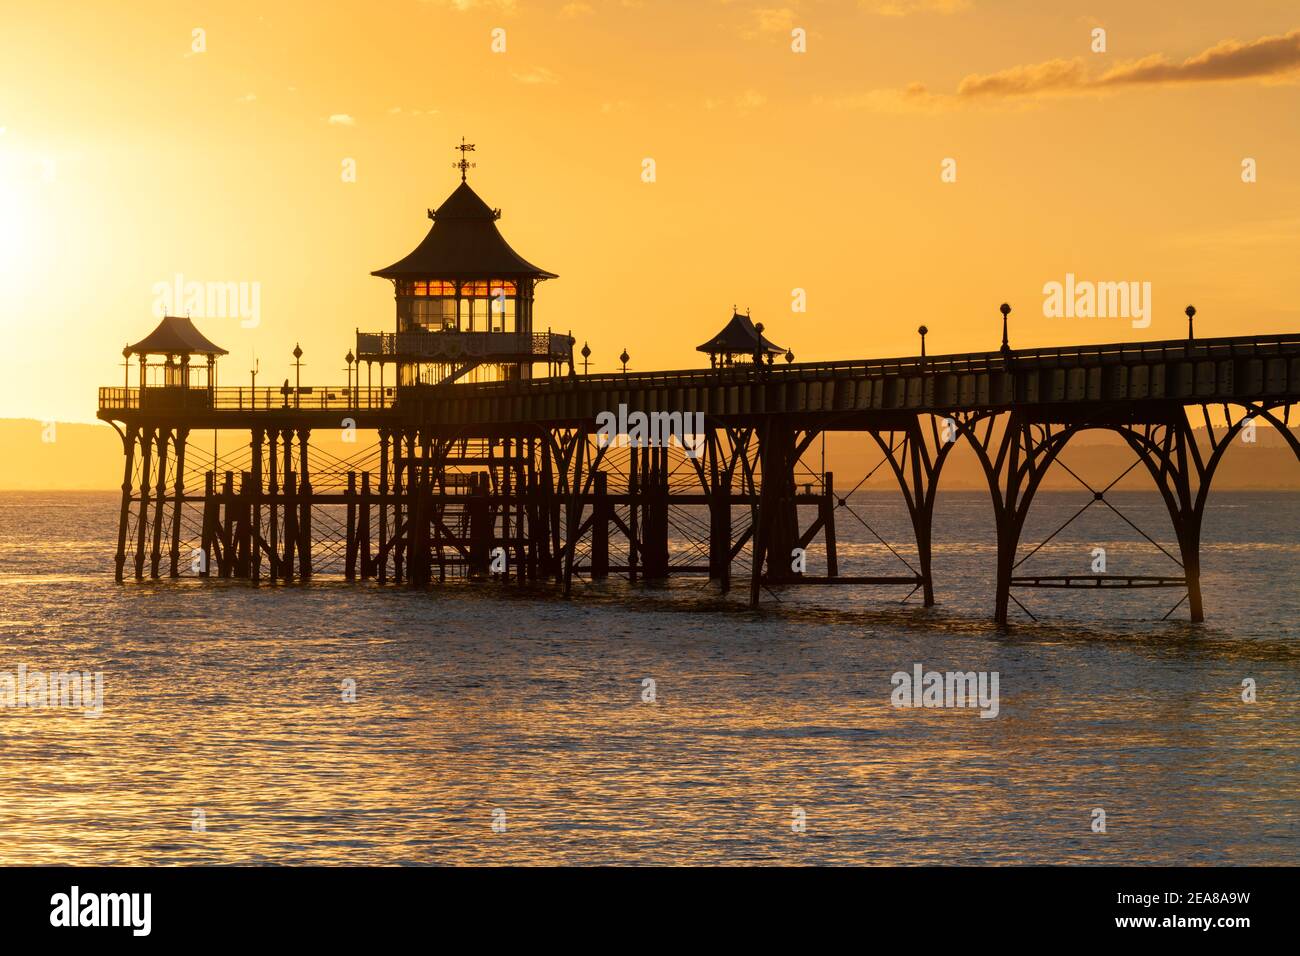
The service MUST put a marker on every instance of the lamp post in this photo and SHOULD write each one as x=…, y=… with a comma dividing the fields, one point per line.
x=350, y=358
x=1191, y=313
x=586, y=354
x=789, y=356
x=922, y=332
x=126, y=366
x=1005, y=310
x=624, y=359
x=297, y=374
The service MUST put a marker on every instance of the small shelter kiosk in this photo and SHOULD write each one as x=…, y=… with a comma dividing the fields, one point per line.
x=167, y=375
x=740, y=338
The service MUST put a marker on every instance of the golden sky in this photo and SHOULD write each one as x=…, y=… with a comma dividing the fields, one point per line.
x=126, y=157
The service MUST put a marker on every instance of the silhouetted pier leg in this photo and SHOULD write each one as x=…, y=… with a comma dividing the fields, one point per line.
x=600, y=515
x=227, y=505
x=155, y=556
x=917, y=467
x=534, y=534
x=384, y=459
x=304, y=506
x=573, y=511
x=142, y=523
x=292, y=505
x=363, y=529
x=257, y=541
x=1014, y=467
x=720, y=531
x=350, y=543
x=243, y=544
x=400, y=473
x=826, y=516
x=208, y=534
x=272, y=509
x=776, y=534
x=528, y=527
x=655, y=498
x=124, y=515
x=1183, y=474
x=178, y=501
x=480, y=528
x=634, y=492
x=920, y=506
x=290, y=542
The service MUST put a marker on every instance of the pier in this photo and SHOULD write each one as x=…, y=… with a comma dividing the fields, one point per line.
x=483, y=469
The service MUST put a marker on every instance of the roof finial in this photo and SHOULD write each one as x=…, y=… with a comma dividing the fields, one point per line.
x=463, y=164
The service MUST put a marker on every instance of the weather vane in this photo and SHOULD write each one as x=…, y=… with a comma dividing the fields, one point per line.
x=463, y=164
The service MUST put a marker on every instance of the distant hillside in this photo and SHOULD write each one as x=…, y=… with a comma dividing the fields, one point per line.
x=89, y=457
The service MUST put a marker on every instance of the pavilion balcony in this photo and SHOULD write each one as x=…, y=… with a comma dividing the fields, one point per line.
x=453, y=347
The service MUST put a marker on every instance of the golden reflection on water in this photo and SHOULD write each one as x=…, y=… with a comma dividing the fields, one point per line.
x=228, y=700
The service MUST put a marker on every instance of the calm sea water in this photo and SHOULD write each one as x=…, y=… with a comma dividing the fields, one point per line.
x=472, y=699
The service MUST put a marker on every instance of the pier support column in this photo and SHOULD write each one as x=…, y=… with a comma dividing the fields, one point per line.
x=129, y=440
x=142, y=522
x=365, y=557
x=243, y=542
x=1014, y=465
x=777, y=530
x=304, y=506
x=272, y=508
x=226, y=524
x=654, y=534
x=385, y=459
x=155, y=556
x=256, y=541
x=600, y=517
x=480, y=527
x=290, y=508
x=178, y=500
x=1183, y=472
x=717, y=482
x=917, y=463
x=826, y=518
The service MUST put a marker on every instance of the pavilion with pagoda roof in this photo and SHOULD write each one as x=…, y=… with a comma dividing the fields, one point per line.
x=741, y=339
x=464, y=302
x=167, y=375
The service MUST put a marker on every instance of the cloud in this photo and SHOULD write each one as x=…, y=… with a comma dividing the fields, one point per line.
x=1048, y=77
x=1268, y=59
x=902, y=8
x=913, y=99
x=341, y=119
x=538, y=74
x=576, y=9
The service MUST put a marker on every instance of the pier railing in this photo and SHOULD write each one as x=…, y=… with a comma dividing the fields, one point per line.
x=263, y=398
x=452, y=345
x=1137, y=353
x=1279, y=351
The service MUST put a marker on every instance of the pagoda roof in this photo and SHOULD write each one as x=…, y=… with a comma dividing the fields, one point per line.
x=176, y=335
x=739, y=336
x=463, y=243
